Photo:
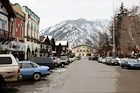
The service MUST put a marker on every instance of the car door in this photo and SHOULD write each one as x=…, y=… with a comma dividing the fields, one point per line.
x=26, y=70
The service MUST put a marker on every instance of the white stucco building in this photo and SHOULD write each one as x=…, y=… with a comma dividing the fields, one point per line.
x=32, y=46
x=6, y=12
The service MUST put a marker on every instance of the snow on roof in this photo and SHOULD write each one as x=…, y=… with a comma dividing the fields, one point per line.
x=63, y=43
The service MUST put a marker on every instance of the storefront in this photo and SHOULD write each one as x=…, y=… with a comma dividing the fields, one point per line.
x=17, y=49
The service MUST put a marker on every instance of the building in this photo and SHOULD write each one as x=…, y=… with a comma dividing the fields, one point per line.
x=45, y=46
x=83, y=50
x=32, y=42
x=6, y=12
x=17, y=29
x=61, y=47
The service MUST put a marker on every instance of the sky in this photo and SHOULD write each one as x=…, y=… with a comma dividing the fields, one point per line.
x=52, y=12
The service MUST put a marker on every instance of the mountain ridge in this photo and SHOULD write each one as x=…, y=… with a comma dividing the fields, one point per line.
x=79, y=31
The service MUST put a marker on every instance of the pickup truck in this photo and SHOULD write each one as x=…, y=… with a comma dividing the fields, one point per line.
x=9, y=69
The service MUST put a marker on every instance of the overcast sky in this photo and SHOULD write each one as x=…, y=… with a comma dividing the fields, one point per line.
x=52, y=12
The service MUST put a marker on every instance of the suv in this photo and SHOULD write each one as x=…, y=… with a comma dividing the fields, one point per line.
x=43, y=61
x=9, y=69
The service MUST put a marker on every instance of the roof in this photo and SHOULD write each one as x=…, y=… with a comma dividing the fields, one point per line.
x=18, y=9
x=45, y=37
x=63, y=43
x=84, y=45
x=9, y=8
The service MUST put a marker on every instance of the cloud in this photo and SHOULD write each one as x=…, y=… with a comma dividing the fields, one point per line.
x=52, y=12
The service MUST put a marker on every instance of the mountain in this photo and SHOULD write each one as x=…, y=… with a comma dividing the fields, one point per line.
x=79, y=31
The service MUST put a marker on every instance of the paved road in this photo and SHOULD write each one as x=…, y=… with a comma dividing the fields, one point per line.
x=83, y=76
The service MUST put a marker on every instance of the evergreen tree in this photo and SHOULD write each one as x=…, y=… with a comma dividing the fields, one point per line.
x=117, y=25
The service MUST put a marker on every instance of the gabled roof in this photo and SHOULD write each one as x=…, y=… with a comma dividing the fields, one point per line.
x=9, y=8
x=18, y=9
x=45, y=37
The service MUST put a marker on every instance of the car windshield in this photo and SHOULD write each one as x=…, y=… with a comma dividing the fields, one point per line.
x=132, y=60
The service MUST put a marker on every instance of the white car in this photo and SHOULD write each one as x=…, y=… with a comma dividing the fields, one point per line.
x=9, y=69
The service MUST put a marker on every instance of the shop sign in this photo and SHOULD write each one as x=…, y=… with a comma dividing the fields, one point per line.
x=16, y=46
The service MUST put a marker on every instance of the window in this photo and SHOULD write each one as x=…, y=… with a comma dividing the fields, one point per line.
x=26, y=65
x=83, y=54
x=0, y=24
x=79, y=54
x=5, y=60
x=4, y=23
x=33, y=65
x=20, y=65
x=28, y=28
x=21, y=30
x=77, y=50
x=12, y=27
x=41, y=46
x=80, y=50
x=31, y=29
x=84, y=50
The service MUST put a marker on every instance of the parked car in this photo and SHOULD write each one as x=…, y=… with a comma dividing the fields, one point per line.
x=43, y=61
x=78, y=58
x=55, y=61
x=90, y=58
x=100, y=59
x=119, y=61
x=107, y=59
x=9, y=69
x=103, y=60
x=130, y=63
x=113, y=62
x=32, y=70
x=64, y=59
x=95, y=57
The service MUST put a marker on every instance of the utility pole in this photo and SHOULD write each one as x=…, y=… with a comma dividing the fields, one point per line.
x=113, y=33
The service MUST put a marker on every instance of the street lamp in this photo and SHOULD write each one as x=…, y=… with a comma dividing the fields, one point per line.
x=113, y=33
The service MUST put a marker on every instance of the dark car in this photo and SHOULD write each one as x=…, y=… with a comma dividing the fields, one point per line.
x=95, y=57
x=113, y=62
x=43, y=61
x=130, y=63
x=90, y=58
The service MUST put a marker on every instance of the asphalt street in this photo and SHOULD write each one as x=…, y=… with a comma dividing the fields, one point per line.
x=82, y=76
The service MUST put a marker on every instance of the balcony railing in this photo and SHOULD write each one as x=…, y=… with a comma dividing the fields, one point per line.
x=5, y=35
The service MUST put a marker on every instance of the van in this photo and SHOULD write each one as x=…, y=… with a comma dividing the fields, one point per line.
x=9, y=69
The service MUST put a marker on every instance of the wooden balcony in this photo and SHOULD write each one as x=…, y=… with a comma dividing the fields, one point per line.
x=5, y=36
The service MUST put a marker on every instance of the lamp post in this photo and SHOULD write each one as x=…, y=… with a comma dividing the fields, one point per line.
x=113, y=33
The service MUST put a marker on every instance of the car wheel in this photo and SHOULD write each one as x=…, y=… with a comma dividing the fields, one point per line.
x=122, y=66
x=62, y=65
x=36, y=76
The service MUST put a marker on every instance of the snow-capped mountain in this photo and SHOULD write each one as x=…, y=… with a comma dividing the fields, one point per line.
x=79, y=31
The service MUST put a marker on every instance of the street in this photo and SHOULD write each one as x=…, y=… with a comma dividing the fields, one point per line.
x=82, y=76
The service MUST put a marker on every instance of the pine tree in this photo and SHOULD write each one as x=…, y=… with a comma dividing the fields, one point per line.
x=117, y=25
